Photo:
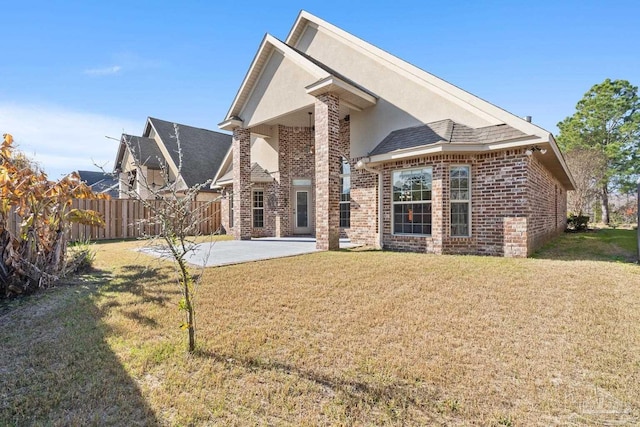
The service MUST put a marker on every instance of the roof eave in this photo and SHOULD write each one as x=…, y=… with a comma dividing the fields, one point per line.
x=230, y=124
x=347, y=92
x=447, y=147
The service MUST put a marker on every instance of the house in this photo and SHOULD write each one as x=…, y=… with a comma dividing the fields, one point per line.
x=100, y=182
x=335, y=137
x=144, y=161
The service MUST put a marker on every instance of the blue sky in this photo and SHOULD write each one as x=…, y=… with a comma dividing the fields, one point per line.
x=74, y=71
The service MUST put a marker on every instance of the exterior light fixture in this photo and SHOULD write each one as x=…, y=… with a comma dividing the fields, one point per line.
x=312, y=148
x=535, y=148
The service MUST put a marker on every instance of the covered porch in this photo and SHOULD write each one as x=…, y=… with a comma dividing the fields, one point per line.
x=292, y=119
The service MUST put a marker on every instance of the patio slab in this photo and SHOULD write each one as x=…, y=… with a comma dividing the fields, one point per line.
x=227, y=252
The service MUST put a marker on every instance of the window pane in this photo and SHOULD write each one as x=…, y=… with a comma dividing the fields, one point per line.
x=460, y=219
x=302, y=209
x=412, y=185
x=345, y=194
x=258, y=208
x=460, y=193
x=412, y=218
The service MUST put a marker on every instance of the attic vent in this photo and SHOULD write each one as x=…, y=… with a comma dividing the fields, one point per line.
x=528, y=118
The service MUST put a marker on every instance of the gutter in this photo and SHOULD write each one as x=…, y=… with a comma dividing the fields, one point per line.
x=362, y=164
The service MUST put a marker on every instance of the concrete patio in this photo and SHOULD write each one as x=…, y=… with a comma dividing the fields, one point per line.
x=227, y=252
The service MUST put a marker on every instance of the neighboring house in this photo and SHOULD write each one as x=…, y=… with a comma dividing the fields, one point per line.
x=100, y=182
x=333, y=136
x=141, y=161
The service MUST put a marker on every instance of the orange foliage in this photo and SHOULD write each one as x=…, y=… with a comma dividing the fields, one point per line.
x=35, y=256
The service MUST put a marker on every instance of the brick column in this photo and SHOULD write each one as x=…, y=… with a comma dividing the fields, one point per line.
x=439, y=206
x=241, y=184
x=284, y=187
x=327, y=172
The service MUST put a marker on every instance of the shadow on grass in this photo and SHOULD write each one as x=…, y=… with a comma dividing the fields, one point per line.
x=357, y=395
x=58, y=368
x=143, y=282
x=612, y=245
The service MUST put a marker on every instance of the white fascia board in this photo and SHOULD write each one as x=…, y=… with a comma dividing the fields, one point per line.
x=245, y=81
x=262, y=57
x=295, y=57
x=561, y=160
x=163, y=149
x=224, y=165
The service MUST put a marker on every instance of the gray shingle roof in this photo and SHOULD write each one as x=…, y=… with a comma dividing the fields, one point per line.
x=444, y=131
x=100, y=182
x=145, y=151
x=203, y=150
x=258, y=174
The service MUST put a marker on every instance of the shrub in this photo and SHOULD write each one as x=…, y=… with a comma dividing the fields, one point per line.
x=33, y=255
x=577, y=222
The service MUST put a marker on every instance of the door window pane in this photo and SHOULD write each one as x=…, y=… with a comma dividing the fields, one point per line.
x=302, y=209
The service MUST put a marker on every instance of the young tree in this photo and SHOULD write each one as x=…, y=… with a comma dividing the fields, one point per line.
x=177, y=221
x=607, y=119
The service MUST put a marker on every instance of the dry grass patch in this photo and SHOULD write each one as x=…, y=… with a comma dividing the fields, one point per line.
x=355, y=338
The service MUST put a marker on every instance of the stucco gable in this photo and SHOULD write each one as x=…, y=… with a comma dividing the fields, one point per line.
x=408, y=94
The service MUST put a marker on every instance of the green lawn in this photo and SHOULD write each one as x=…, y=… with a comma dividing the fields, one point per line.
x=336, y=338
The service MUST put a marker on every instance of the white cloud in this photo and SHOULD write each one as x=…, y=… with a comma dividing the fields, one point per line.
x=103, y=71
x=63, y=140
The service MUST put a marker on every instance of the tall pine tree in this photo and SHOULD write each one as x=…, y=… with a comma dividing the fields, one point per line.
x=607, y=120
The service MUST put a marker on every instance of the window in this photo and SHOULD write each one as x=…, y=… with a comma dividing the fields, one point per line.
x=131, y=183
x=230, y=209
x=412, y=201
x=460, y=198
x=345, y=194
x=258, y=208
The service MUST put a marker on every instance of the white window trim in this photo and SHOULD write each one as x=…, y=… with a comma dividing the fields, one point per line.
x=393, y=203
x=465, y=165
x=254, y=208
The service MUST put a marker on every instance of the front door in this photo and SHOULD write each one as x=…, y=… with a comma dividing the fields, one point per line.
x=302, y=211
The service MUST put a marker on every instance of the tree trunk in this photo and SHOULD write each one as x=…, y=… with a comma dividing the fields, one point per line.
x=605, y=204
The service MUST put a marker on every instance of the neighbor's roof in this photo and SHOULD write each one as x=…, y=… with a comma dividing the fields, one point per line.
x=100, y=182
x=444, y=131
x=145, y=151
x=203, y=150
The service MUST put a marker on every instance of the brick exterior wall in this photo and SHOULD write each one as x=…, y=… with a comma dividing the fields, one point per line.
x=516, y=205
x=547, y=205
x=294, y=162
x=241, y=145
x=364, y=207
x=224, y=211
x=270, y=210
x=328, y=159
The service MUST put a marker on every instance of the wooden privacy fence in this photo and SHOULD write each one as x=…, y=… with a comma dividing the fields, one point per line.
x=126, y=218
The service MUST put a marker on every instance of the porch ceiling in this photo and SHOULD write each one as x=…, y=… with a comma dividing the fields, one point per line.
x=300, y=118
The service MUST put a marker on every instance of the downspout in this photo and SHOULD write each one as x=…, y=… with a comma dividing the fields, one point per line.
x=362, y=165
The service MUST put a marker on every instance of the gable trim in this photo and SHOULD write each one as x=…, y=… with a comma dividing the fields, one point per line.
x=265, y=51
